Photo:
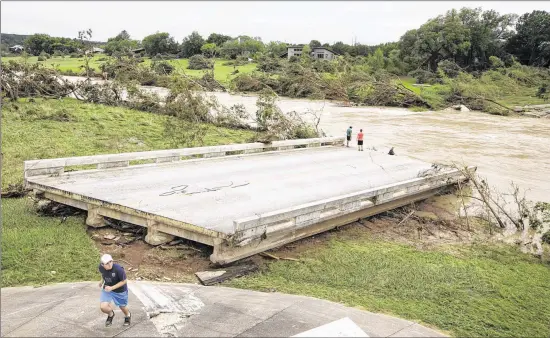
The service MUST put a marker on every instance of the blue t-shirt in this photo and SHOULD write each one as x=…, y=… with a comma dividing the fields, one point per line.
x=348, y=132
x=113, y=276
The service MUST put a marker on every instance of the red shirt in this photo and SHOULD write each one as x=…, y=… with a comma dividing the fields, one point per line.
x=360, y=136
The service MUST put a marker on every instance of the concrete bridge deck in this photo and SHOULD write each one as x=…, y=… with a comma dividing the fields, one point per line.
x=236, y=201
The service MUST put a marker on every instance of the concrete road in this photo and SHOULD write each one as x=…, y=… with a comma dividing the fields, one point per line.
x=183, y=310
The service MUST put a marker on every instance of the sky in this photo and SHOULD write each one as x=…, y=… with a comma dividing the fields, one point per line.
x=367, y=22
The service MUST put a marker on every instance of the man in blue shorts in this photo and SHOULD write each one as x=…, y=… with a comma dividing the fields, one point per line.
x=114, y=289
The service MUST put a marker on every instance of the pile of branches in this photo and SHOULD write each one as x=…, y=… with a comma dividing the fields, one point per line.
x=301, y=81
x=21, y=79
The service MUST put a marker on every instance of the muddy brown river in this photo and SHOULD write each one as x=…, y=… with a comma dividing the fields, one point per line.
x=504, y=149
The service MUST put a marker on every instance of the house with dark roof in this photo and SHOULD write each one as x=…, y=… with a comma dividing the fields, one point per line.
x=320, y=53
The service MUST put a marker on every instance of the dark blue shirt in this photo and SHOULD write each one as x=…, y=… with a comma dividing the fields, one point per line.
x=113, y=276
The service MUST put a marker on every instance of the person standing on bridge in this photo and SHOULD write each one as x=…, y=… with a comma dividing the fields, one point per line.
x=348, y=135
x=360, y=136
x=114, y=288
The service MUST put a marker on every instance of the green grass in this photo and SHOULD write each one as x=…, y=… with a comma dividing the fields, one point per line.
x=31, y=130
x=76, y=65
x=523, y=96
x=33, y=246
x=468, y=291
x=222, y=73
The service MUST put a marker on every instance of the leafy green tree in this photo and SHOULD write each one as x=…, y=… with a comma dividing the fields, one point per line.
x=209, y=49
x=275, y=48
x=38, y=43
x=218, y=39
x=121, y=44
x=531, y=42
x=160, y=43
x=306, y=53
x=191, y=45
x=376, y=61
x=340, y=47
x=314, y=43
x=240, y=46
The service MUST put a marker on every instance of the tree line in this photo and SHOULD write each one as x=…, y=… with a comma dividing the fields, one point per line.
x=468, y=37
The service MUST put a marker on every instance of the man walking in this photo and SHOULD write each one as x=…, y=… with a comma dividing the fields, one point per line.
x=348, y=135
x=360, y=140
x=114, y=289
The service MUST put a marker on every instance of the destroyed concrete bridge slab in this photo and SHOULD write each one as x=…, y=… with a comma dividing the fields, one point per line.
x=241, y=199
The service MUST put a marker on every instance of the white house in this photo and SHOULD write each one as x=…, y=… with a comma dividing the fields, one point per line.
x=321, y=53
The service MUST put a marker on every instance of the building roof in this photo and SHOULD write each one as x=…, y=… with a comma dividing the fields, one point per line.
x=17, y=47
x=325, y=48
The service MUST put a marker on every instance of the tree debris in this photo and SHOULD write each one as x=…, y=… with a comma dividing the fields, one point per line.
x=218, y=276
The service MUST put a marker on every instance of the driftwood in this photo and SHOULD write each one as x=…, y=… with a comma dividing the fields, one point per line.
x=218, y=276
x=406, y=218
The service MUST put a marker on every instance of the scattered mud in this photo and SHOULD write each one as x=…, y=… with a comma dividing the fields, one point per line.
x=425, y=225
x=176, y=263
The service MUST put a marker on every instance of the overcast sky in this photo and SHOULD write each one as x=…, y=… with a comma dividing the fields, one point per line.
x=369, y=22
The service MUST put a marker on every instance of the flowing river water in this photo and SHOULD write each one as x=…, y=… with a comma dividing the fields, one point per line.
x=504, y=149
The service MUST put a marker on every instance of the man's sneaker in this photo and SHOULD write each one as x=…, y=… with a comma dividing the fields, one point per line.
x=127, y=319
x=109, y=320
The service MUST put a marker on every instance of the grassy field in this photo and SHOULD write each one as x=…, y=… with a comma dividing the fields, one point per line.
x=33, y=246
x=222, y=73
x=52, y=128
x=522, y=96
x=64, y=64
x=40, y=250
x=468, y=291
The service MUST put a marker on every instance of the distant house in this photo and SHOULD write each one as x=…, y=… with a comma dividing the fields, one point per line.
x=16, y=49
x=96, y=50
x=321, y=53
x=294, y=51
x=138, y=50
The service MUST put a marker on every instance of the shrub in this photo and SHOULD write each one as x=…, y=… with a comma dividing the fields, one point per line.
x=267, y=64
x=495, y=62
x=45, y=55
x=324, y=66
x=424, y=76
x=199, y=62
x=448, y=68
x=41, y=58
x=162, y=67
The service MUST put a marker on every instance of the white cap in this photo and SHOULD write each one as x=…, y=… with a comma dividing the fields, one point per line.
x=106, y=258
